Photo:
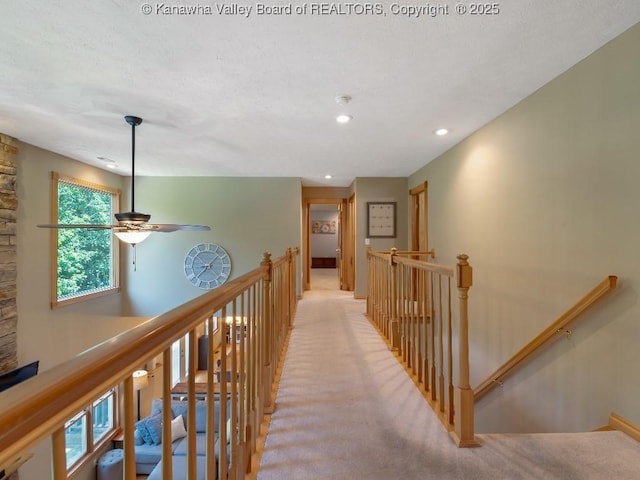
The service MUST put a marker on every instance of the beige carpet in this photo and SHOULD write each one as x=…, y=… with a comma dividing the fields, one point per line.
x=346, y=409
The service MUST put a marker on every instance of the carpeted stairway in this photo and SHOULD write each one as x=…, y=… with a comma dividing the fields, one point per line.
x=346, y=409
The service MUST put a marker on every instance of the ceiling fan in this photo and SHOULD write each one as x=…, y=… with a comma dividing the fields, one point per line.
x=132, y=227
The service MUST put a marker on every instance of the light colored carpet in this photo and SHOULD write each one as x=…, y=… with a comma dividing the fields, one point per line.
x=346, y=409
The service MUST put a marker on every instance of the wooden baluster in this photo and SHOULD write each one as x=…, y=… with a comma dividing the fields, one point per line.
x=420, y=323
x=450, y=355
x=254, y=368
x=268, y=333
x=234, y=388
x=167, y=459
x=463, y=433
x=243, y=427
x=394, y=330
x=441, y=390
x=128, y=446
x=402, y=316
x=432, y=382
x=425, y=340
x=427, y=328
x=406, y=317
x=191, y=406
x=385, y=298
x=223, y=434
x=58, y=454
x=211, y=473
x=413, y=280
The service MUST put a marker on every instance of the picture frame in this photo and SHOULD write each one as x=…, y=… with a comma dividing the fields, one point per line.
x=381, y=219
x=324, y=226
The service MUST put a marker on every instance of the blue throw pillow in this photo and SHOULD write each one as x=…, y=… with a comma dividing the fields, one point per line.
x=141, y=428
x=150, y=429
x=137, y=438
x=154, y=427
x=156, y=406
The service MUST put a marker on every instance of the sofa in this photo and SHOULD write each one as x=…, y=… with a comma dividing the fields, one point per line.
x=148, y=437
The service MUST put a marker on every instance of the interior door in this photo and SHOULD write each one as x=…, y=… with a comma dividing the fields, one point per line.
x=419, y=230
x=342, y=244
x=351, y=243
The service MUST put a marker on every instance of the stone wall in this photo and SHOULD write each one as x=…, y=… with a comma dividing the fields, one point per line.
x=8, y=245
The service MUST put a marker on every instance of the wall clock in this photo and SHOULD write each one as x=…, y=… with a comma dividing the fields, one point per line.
x=207, y=265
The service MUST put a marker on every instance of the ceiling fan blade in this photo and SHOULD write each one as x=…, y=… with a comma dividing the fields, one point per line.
x=76, y=225
x=172, y=227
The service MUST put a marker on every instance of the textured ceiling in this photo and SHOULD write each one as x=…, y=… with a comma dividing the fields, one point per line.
x=235, y=95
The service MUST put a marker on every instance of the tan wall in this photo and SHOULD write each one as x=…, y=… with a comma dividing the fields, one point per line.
x=369, y=189
x=53, y=336
x=544, y=200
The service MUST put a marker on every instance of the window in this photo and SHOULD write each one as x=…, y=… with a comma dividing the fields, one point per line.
x=179, y=354
x=86, y=260
x=89, y=429
x=75, y=437
x=176, y=360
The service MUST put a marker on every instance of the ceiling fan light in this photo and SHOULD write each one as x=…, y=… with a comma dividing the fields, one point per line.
x=132, y=237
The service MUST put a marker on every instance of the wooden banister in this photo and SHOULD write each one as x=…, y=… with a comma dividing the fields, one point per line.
x=549, y=333
x=412, y=303
x=39, y=407
x=616, y=422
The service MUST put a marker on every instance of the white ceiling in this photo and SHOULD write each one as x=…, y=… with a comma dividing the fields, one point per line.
x=226, y=95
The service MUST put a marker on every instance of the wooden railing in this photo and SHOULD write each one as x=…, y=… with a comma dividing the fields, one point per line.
x=258, y=308
x=412, y=304
x=552, y=332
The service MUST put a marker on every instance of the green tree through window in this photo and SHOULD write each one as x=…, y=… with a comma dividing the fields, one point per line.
x=85, y=262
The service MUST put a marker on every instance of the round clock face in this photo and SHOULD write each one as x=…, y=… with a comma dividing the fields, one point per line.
x=207, y=265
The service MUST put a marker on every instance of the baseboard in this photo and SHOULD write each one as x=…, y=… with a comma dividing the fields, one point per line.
x=618, y=423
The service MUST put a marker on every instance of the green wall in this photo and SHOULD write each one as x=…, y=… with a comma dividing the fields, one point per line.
x=247, y=216
x=544, y=201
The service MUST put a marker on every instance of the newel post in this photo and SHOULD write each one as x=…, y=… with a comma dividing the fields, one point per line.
x=370, y=284
x=268, y=332
x=463, y=432
x=291, y=283
x=395, y=326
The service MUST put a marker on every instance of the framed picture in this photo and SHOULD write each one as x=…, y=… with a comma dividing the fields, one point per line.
x=323, y=226
x=381, y=219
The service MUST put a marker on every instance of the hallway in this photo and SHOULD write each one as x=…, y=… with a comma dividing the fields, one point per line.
x=346, y=409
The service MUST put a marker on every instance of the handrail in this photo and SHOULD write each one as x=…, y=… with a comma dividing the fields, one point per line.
x=35, y=409
x=616, y=422
x=412, y=304
x=497, y=377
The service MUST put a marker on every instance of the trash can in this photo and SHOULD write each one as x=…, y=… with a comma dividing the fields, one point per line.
x=109, y=467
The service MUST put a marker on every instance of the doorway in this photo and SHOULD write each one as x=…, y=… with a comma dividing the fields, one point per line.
x=419, y=219
x=326, y=227
x=324, y=246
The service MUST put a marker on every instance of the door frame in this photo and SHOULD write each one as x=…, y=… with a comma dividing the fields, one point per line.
x=340, y=204
x=419, y=217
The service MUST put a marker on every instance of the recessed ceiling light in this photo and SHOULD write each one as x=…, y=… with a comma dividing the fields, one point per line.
x=441, y=131
x=328, y=177
x=112, y=165
x=344, y=118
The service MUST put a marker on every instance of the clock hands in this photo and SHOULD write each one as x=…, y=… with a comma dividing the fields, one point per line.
x=207, y=266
